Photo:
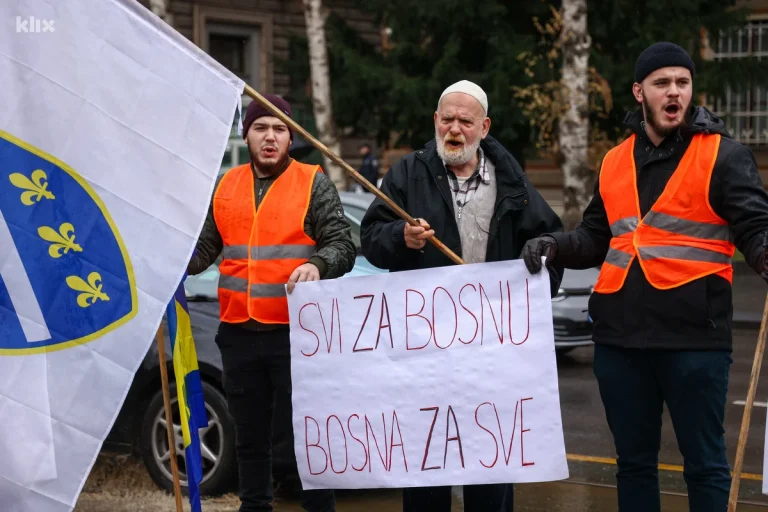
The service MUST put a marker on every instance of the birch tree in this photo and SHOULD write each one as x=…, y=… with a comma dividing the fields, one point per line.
x=560, y=105
x=315, y=16
x=573, y=125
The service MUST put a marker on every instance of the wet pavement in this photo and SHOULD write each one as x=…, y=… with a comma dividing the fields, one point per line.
x=591, y=486
x=588, y=443
x=571, y=497
x=749, y=293
x=550, y=497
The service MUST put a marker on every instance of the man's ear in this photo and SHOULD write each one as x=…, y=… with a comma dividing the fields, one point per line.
x=637, y=91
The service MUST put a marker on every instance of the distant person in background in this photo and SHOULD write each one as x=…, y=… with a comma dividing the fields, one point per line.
x=369, y=169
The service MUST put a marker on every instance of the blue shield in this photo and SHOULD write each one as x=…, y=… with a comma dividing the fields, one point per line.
x=65, y=275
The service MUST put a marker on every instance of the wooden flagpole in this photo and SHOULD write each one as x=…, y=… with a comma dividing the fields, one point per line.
x=373, y=189
x=169, y=418
x=741, y=447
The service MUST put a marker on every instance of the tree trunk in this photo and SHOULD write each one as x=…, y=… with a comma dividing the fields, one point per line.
x=314, y=16
x=578, y=178
x=160, y=9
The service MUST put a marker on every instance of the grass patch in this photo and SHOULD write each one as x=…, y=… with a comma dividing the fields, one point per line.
x=738, y=256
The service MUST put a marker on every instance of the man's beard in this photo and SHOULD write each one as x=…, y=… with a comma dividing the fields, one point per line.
x=272, y=166
x=661, y=131
x=458, y=157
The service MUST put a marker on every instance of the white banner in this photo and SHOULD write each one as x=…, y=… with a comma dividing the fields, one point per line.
x=111, y=137
x=444, y=376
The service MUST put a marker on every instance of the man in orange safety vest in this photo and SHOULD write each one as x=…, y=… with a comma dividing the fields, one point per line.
x=273, y=221
x=672, y=204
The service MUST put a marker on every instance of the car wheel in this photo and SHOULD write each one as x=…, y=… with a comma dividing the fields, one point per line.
x=217, y=443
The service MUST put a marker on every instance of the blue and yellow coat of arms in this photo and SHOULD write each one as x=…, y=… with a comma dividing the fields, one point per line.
x=65, y=275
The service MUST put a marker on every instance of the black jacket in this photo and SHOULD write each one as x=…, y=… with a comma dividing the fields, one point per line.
x=418, y=183
x=697, y=315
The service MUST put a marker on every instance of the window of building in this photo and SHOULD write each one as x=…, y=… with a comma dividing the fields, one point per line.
x=231, y=51
x=744, y=108
x=239, y=39
x=236, y=47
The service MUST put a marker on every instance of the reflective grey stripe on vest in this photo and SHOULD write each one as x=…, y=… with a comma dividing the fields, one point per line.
x=268, y=252
x=235, y=284
x=235, y=252
x=618, y=258
x=683, y=253
x=625, y=225
x=687, y=227
x=265, y=291
x=238, y=284
x=279, y=252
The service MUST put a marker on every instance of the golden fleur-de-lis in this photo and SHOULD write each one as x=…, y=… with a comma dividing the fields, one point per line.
x=91, y=291
x=61, y=242
x=37, y=187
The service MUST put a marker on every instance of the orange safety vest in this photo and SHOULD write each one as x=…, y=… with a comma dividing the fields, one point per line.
x=261, y=248
x=681, y=238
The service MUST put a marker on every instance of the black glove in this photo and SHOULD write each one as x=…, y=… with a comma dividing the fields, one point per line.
x=535, y=248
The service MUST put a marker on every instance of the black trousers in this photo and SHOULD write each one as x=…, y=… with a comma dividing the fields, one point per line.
x=257, y=383
x=634, y=385
x=477, y=498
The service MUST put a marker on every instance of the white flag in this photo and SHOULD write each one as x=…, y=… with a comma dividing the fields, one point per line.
x=112, y=131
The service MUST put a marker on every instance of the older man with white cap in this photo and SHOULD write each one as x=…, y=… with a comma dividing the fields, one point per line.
x=469, y=191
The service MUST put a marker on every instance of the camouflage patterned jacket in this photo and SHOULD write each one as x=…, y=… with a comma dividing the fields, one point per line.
x=325, y=224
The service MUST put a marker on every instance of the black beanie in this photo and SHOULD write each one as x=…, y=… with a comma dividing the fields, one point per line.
x=661, y=55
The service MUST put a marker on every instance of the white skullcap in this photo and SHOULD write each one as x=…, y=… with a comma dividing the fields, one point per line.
x=470, y=88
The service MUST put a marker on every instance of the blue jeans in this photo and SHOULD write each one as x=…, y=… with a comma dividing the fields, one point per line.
x=634, y=384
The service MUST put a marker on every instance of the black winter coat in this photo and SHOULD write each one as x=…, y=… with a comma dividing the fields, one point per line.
x=697, y=315
x=418, y=183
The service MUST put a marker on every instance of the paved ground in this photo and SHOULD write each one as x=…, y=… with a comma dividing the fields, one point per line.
x=120, y=484
x=554, y=497
x=589, y=443
x=749, y=293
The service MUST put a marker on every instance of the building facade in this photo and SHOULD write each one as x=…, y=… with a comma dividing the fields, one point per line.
x=745, y=109
x=250, y=37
